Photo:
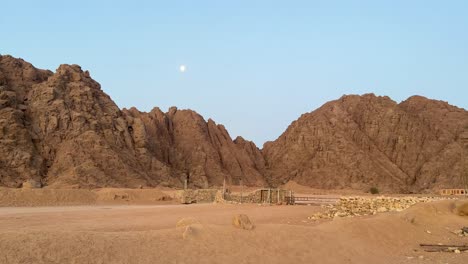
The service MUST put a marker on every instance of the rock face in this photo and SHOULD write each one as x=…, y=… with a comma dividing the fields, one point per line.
x=198, y=150
x=19, y=159
x=363, y=141
x=62, y=130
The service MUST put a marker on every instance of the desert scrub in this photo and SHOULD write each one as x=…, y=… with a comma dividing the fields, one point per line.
x=374, y=190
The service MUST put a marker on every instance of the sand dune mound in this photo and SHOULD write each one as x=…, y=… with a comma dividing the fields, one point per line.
x=57, y=197
x=141, y=196
x=462, y=208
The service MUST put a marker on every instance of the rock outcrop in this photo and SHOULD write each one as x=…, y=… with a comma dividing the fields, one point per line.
x=198, y=150
x=363, y=141
x=62, y=130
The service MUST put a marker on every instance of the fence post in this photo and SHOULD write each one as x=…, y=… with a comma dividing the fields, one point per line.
x=241, y=191
x=269, y=196
x=224, y=188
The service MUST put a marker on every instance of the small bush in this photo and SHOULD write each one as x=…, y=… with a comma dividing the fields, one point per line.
x=374, y=190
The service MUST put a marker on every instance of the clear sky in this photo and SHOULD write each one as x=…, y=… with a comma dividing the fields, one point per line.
x=254, y=66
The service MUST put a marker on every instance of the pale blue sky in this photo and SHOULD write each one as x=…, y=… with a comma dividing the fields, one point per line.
x=254, y=66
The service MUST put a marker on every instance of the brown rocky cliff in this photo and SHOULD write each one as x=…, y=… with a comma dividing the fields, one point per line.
x=363, y=141
x=63, y=130
x=199, y=150
x=19, y=159
x=81, y=134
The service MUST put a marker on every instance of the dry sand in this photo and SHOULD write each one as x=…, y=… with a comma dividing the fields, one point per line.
x=283, y=234
x=57, y=197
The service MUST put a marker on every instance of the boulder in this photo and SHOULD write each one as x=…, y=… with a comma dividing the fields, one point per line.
x=184, y=222
x=242, y=221
x=189, y=232
x=31, y=184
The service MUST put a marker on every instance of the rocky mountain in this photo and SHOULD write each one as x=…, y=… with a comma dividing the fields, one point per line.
x=60, y=129
x=363, y=141
x=198, y=150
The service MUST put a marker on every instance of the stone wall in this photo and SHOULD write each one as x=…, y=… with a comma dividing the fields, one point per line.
x=197, y=196
x=453, y=192
x=273, y=196
x=361, y=206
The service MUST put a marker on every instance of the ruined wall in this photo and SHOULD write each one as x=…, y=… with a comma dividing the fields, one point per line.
x=273, y=196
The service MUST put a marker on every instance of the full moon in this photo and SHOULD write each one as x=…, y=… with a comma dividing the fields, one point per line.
x=182, y=68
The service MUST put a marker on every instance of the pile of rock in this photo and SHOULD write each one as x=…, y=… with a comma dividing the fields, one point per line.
x=462, y=232
x=361, y=206
x=31, y=184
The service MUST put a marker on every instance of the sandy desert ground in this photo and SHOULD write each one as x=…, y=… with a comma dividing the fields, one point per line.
x=283, y=234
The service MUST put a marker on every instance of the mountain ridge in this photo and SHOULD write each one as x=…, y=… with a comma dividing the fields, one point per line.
x=61, y=129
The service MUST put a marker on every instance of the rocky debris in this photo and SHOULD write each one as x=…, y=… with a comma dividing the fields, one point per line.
x=461, y=232
x=360, y=142
x=31, y=184
x=457, y=249
x=362, y=206
x=242, y=221
x=187, y=222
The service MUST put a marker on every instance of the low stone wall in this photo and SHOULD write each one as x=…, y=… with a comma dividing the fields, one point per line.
x=252, y=197
x=453, y=192
x=273, y=196
x=206, y=195
x=197, y=196
x=361, y=206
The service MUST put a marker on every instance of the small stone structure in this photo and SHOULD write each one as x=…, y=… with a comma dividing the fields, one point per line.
x=269, y=196
x=261, y=196
x=453, y=192
x=197, y=196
